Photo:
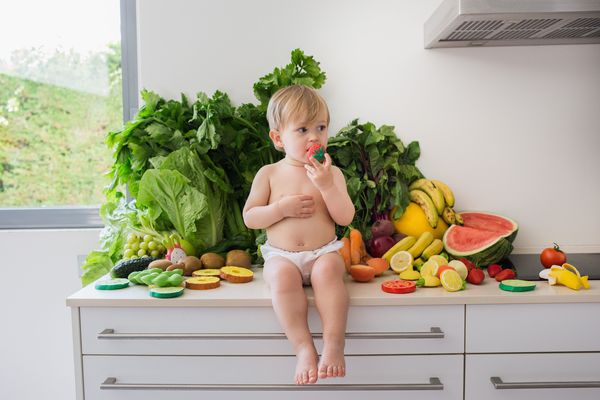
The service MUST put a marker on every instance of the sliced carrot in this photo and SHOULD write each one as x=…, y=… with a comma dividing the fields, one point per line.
x=345, y=252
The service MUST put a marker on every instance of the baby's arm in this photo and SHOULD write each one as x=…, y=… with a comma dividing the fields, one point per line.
x=338, y=201
x=259, y=214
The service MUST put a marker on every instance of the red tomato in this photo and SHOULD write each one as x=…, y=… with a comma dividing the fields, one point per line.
x=398, y=286
x=552, y=256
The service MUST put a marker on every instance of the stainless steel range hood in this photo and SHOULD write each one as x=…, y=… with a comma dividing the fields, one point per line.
x=464, y=23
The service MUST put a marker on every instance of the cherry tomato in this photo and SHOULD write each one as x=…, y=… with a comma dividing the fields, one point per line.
x=552, y=256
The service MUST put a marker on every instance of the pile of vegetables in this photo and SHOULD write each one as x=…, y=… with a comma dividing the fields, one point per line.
x=187, y=168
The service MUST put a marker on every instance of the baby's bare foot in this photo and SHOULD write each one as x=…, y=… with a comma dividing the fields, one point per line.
x=332, y=361
x=306, y=366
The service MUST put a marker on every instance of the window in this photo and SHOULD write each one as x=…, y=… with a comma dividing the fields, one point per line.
x=61, y=91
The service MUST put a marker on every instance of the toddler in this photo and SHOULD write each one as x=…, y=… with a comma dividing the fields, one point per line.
x=298, y=201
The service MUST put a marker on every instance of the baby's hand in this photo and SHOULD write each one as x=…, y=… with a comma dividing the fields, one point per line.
x=320, y=174
x=297, y=206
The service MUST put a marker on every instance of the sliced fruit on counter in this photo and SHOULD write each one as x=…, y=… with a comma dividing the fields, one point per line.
x=451, y=281
x=202, y=282
x=112, y=284
x=379, y=265
x=439, y=260
x=166, y=292
x=459, y=267
x=516, y=285
x=398, y=286
x=207, y=272
x=429, y=268
x=483, y=239
x=401, y=261
x=568, y=276
x=236, y=274
x=409, y=274
x=362, y=273
x=429, y=281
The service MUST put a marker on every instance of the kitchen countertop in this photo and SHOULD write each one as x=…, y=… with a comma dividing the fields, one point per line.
x=256, y=294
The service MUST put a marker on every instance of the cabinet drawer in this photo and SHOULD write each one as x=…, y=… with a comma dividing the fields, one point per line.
x=532, y=328
x=255, y=331
x=532, y=376
x=248, y=377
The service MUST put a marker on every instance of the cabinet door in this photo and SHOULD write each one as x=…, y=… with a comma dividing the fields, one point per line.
x=249, y=378
x=256, y=331
x=532, y=376
x=503, y=328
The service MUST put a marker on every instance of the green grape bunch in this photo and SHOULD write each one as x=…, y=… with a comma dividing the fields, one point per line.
x=140, y=246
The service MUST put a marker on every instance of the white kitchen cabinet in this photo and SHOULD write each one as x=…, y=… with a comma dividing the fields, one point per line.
x=531, y=351
x=255, y=330
x=532, y=376
x=269, y=377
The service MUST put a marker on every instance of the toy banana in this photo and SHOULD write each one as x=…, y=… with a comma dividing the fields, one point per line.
x=568, y=276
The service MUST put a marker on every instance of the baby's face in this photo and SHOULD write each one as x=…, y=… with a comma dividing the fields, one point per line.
x=298, y=136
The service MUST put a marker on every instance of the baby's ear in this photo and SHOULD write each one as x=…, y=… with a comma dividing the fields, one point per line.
x=275, y=136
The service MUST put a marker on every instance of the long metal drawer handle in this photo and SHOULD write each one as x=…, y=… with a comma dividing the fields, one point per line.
x=111, y=384
x=499, y=384
x=434, y=333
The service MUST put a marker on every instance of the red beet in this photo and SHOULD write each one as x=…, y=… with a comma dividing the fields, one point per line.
x=382, y=228
x=379, y=245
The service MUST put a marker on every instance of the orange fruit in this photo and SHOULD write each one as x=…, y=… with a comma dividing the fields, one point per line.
x=379, y=264
x=362, y=273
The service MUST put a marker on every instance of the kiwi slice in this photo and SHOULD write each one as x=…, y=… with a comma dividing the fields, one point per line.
x=166, y=292
x=112, y=284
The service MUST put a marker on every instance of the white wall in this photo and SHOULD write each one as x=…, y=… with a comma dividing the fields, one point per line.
x=514, y=130
x=39, y=271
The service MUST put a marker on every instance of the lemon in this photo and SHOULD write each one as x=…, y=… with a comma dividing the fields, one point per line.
x=440, y=260
x=429, y=268
x=401, y=261
x=451, y=280
x=460, y=267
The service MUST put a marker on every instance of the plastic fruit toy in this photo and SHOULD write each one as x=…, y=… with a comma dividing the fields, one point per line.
x=362, y=273
x=317, y=152
x=236, y=274
x=409, y=274
x=568, y=276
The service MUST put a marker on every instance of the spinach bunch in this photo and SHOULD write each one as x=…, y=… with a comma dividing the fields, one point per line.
x=378, y=169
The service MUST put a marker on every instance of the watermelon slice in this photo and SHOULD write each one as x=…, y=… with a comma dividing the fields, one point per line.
x=484, y=238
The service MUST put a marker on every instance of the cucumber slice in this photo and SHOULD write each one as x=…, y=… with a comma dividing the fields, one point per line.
x=166, y=292
x=112, y=284
x=517, y=285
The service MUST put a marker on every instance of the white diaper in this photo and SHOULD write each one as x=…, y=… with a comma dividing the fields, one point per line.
x=302, y=259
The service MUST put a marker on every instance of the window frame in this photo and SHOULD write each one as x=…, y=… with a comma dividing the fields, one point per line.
x=61, y=217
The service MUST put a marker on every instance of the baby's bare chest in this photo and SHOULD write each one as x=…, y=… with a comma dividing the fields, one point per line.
x=283, y=184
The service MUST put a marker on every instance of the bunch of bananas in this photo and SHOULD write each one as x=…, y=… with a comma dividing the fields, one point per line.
x=436, y=199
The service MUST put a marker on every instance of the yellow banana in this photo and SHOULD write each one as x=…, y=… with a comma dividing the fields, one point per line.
x=449, y=216
x=446, y=191
x=425, y=202
x=403, y=244
x=434, y=248
x=428, y=187
x=421, y=244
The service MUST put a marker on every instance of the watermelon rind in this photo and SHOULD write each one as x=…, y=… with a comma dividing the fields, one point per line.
x=491, y=252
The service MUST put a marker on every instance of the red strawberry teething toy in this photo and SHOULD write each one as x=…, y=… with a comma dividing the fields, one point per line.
x=317, y=151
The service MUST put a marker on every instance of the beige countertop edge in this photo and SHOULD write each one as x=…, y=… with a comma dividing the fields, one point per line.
x=256, y=294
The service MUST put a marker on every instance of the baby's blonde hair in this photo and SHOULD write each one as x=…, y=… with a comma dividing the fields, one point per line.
x=292, y=101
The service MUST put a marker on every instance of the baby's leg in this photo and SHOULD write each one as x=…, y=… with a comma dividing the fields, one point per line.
x=331, y=299
x=291, y=307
